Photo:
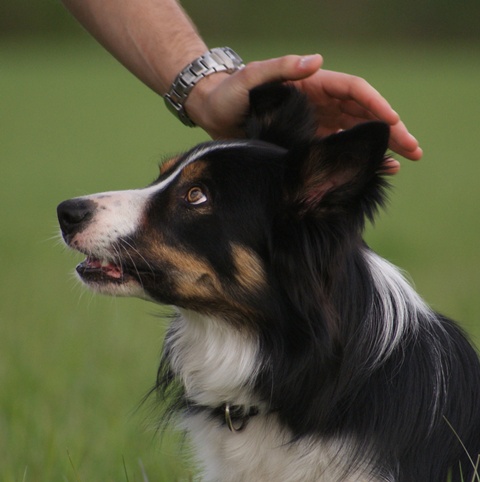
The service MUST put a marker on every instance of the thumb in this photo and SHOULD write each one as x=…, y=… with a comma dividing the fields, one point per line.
x=289, y=67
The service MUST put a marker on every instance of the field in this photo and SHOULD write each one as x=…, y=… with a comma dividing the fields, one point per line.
x=74, y=367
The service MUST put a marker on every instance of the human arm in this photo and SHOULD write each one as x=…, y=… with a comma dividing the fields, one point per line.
x=155, y=40
x=341, y=100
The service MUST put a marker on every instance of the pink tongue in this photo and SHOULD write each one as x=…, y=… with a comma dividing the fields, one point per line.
x=112, y=271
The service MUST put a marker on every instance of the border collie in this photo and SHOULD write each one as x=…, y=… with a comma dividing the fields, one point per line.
x=296, y=353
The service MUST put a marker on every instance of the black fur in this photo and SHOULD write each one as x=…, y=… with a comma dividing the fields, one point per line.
x=274, y=250
x=417, y=409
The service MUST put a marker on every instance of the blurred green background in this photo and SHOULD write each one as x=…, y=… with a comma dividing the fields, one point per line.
x=74, y=366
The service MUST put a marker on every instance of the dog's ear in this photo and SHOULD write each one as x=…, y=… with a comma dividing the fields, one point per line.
x=341, y=174
x=280, y=114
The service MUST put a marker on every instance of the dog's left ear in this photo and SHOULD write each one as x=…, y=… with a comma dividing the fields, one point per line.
x=280, y=114
x=341, y=174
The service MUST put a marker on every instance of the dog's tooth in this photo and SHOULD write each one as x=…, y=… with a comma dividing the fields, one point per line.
x=92, y=262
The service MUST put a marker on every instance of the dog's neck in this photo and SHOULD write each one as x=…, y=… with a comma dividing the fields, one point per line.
x=215, y=361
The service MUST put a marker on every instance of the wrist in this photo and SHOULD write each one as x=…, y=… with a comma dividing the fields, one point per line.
x=212, y=62
x=198, y=105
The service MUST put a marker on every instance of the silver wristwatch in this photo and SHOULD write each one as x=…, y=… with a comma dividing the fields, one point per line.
x=222, y=59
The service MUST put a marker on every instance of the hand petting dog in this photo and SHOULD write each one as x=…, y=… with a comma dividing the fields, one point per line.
x=219, y=103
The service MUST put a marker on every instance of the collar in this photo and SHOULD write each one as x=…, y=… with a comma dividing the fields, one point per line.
x=235, y=417
x=238, y=413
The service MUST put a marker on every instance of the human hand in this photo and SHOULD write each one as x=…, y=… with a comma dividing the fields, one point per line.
x=219, y=102
x=343, y=101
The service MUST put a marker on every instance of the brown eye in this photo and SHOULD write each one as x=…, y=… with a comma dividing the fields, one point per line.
x=195, y=196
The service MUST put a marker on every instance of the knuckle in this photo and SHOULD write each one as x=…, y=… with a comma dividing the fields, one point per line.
x=358, y=82
x=250, y=71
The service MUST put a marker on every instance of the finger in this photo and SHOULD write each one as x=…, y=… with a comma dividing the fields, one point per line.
x=402, y=142
x=353, y=109
x=346, y=121
x=391, y=166
x=349, y=87
x=413, y=155
x=338, y=121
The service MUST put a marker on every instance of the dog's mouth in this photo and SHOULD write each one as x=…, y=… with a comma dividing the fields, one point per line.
x=112, y=277
x=95, y=270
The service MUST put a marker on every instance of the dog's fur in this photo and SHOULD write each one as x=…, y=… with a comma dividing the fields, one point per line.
x=333, y=367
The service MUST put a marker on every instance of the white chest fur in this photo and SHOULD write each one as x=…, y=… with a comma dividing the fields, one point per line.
x=264, y=452
x=218, y=364
x=215, y=362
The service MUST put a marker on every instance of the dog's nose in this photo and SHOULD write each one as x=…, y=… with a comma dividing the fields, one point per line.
x=74, y=215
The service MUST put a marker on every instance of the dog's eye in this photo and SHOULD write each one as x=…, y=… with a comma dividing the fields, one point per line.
x=195, y=196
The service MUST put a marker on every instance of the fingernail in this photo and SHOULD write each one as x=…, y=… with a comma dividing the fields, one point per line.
x=308, y=60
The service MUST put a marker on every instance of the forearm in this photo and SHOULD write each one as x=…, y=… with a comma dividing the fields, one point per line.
x=154, y=39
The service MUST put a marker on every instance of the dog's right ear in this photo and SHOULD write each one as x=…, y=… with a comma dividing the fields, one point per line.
x=281, y=115
x=342, y=175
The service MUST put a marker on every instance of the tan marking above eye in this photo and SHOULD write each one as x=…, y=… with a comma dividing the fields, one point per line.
x=168, y=164
x=195, y=196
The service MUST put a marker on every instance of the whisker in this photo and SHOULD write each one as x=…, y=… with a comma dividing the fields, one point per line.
x=118, y=247
x=57, y=238
x=124, y=241
x=117, y=259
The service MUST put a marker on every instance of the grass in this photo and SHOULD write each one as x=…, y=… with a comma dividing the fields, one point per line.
x=73, y=366
x=474, y=460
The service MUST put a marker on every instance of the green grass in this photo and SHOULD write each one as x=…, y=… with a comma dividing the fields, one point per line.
x=73, y=366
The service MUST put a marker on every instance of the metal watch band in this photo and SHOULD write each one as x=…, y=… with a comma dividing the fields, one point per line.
x=221, y=59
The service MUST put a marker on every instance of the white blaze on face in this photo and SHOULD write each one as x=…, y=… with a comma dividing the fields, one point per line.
x=119, y=213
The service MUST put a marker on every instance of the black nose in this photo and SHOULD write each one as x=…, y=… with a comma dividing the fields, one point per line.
x=74, y=215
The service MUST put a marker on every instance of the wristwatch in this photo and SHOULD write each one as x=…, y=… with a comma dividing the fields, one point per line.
x=221, y=59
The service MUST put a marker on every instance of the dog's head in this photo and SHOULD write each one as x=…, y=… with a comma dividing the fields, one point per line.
x=207, y=234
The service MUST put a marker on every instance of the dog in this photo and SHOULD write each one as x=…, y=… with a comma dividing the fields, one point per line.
x=296, y=352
